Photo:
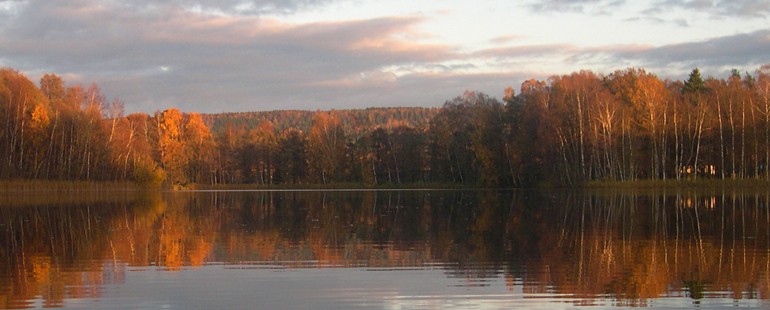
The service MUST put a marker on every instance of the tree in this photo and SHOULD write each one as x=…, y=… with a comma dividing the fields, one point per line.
x=92, y=135
x=532, y=135
x=326, y=146
x=227, y=142
x=466, y=141
x=762, y=90
x=450, y=142
x=256, y=154
x=408, y=146
x=292, y=162
x=384, y=169
x=52, y=87
x=572, y=101
x=694, y=114
x=694, y=83
x=199, y=147
x=647, y=97
x=489, y=140
x=171, y=147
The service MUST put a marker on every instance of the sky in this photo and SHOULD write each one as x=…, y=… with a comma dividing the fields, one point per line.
x=215, y=56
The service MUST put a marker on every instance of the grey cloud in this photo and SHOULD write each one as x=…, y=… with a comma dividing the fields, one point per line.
x=578, y=6
x=451, y=68
x=662, y=6
x=654, y=19
x=525, y=50
x=750, y=8
x=743, y=51
x=740, y=49
x=681, y=22
x=258, y=7
x=231, y=7
x=747, y=51
x=715, y=8
x=154, y=58
x=719, y=10
x=506, y=39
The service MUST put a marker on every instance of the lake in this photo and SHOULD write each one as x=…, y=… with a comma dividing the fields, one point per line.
x=420, y=249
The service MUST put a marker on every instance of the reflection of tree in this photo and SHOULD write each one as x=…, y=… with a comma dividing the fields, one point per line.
x=43, y=243
x=636, y=247
x=630, y=246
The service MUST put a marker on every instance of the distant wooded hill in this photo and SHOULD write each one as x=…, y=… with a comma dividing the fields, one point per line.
x=355, y=121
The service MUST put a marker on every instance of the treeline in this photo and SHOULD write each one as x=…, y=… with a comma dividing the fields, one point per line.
x=632, y=125
x=356, y=122
x=568, y=129
x=53, y=132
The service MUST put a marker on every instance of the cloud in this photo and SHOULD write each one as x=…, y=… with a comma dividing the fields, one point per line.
x=718, y=9
x=717, y=55
x=525, y=50
x=576, y=6
x=746, y=8
x=506, y=39
x=225, y=7
x=153, y=58
x=743, y=51
x=232, y=55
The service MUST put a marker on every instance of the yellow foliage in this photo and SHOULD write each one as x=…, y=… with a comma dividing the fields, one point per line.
x=39, y=119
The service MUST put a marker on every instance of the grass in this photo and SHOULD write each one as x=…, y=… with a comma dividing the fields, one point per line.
x=700, y=186
x=42, y=192
x=683, y=183
x=21, y=186
x=47, y=186
x=331, y=186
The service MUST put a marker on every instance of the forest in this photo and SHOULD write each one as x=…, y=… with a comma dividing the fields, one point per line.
x=565, y=130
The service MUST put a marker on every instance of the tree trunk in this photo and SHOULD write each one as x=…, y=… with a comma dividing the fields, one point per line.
x=721, y=139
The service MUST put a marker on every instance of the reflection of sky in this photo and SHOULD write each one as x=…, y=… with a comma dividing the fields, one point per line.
x=276, y=287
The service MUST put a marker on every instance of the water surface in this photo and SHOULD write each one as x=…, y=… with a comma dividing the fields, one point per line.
x=387, y=249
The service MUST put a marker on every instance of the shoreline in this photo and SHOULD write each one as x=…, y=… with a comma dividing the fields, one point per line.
x=36, y=186
x=26, y=186
x=323, y=187
x=680, y=184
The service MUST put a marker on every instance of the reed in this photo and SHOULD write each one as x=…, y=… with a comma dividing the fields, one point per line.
x=330, y=186
x=40, y=192
x=684, y=183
